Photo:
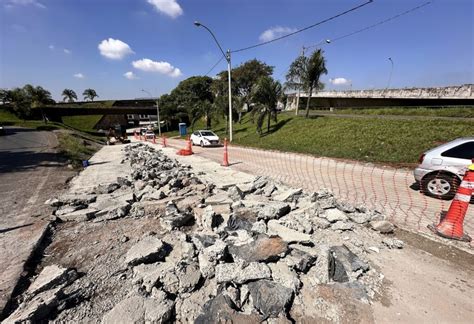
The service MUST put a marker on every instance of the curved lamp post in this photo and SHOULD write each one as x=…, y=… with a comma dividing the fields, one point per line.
x=157, y=112
x=227, y=57
x=390, y=75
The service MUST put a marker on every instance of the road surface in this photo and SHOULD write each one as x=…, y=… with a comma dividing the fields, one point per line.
x=29, y=174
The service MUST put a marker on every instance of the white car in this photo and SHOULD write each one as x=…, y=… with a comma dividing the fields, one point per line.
x=149, y=134
x=442, y=168
x=205, y=138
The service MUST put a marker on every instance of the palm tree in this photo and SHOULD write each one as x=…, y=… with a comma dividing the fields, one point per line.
x=305, y=72
x=69, y=94
x=89, y=94
x=265, y=94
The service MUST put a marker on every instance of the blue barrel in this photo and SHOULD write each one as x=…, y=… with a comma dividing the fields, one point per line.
x=85, y=163
x=182, y=129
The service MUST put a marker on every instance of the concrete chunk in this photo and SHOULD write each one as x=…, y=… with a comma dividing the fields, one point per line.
x=287, y=234
x=147, y=250
x=240, y=273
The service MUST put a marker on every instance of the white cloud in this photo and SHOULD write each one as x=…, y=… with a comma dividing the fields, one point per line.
x=12, y=3
x=130, y=75
x=160, y=67
x=67, y=51
x=114, y=49
x=168, y=7
x=51, y=47
x=340, y=81
x=275, y=32
x=79, y=76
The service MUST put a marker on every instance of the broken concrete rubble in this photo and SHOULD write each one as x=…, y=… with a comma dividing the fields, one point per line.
x=252, y=252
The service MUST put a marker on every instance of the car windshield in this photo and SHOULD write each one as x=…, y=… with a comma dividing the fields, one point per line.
x=207, y=133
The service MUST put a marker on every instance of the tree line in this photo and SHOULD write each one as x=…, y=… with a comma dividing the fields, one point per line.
x=22, y=100
x=254, y=90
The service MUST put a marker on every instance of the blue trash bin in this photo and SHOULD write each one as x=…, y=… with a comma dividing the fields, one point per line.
x=182, y=129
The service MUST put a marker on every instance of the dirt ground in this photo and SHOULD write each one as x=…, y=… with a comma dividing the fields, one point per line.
x=427, y=282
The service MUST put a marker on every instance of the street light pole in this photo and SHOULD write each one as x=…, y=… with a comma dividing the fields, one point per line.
x=157, y=112
x=229, y=67
x=390, y=75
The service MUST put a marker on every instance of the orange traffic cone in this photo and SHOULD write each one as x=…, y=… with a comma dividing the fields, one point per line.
x=451, y=226
x=135, y=135
x=225, y=162
x=190, y=146
x=163, y=141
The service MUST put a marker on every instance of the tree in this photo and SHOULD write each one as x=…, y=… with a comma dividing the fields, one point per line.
x=195, y=95
x=89, y=94
x=244, y=77
x=22, y=100
x=69, y=94
x=305, y=72
x=265, y=94
x=5, y=96
x=294, y=77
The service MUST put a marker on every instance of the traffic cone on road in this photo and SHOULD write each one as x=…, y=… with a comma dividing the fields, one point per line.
x=190, y=146
x=154, y=139
x=451, y=226
x=225, y=161
x=163, y=141
x=135, y=134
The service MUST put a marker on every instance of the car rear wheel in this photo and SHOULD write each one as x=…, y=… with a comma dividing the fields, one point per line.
x=441, y=186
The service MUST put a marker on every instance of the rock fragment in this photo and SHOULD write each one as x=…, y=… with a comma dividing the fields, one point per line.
x=269, y=297
x=241, y=273
x=382, y=226
x=149, y=249
x=287, y=234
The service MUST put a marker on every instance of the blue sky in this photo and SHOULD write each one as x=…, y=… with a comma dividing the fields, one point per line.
x=55, y=43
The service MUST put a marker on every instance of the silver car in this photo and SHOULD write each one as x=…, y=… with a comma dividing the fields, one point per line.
x=441, y=169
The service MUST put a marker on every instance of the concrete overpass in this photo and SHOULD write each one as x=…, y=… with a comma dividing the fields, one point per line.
x=429, y=97
x=119, y=107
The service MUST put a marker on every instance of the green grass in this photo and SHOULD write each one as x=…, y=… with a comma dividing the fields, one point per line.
x=75, y=148
x=82, y=123
x=463, y=112
x=9, y=119
x=85, y=104
x=376, y=140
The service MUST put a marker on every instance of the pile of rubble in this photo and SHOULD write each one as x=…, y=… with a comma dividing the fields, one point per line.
x=258, y=252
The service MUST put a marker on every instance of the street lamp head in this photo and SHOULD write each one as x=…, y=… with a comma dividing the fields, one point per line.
x=328, y=41
x=197, y=23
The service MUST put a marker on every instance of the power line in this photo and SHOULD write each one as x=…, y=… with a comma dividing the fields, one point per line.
x=214, y=66
x=332, y=40
x=382, y=22
x=305, y=28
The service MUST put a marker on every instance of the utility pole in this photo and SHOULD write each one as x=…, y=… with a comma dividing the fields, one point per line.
x=157, y=112
x=299, y=87
x=229, y=69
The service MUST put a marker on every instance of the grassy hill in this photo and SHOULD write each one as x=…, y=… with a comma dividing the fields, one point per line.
x=368, y=139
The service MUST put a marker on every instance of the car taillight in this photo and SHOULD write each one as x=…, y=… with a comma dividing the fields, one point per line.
x=420, y=159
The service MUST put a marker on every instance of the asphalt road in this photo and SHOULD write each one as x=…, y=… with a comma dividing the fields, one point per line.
x=30, y=173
